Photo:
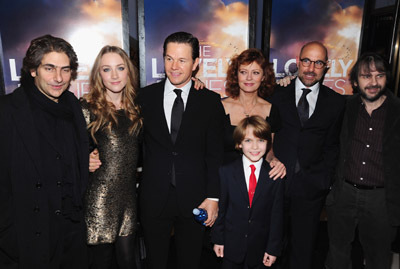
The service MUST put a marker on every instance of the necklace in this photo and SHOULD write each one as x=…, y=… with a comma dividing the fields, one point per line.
x=247, y=112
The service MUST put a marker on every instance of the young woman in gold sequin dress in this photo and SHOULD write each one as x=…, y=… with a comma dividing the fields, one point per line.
x=113, y=124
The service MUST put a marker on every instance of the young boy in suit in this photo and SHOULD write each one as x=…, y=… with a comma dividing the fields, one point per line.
x=248, y=230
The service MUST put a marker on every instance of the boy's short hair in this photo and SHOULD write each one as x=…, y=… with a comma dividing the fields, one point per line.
x=261, y=129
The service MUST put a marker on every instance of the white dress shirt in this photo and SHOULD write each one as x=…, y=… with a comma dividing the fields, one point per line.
x=311, y=97
x=247, y=169
x=169, y=98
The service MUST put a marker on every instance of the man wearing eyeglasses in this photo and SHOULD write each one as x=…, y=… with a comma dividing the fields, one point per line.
x=308, y=144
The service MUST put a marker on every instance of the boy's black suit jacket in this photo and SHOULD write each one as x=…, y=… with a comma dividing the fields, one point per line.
x=248, y=232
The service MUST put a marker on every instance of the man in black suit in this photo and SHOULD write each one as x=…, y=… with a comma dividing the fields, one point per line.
x=44, y=151
x=365, y=194
x=307, y=144
x=183, y=150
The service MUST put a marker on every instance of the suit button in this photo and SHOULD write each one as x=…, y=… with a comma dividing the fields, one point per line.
x=58, y=156
x=58, y=183
x=57, y=212
x=248, y=206
x=245, y=235
x=38, y=185
x=249, y=220
x=36, y=209
x=38, y=234
x=174, y=153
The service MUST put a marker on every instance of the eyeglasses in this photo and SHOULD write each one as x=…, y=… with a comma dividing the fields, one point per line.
x=317, y=64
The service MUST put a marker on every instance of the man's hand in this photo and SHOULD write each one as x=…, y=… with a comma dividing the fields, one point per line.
x=219, y=250
x=268, y=260
x=212, y=211
x=198, y=84
x=284, y=82
x=94, y=161
x=278, y=169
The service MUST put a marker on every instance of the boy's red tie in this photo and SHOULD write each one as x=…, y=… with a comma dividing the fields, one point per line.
x=252, y=183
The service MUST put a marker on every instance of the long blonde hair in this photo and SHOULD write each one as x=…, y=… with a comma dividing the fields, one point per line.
x=104, y=111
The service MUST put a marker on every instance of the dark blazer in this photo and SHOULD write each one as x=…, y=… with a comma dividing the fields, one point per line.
x=390, y=153
x=197, y=152
x=315, y=145
x=24, y=193
x=249, y=232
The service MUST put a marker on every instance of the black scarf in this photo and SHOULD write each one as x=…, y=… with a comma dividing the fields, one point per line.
x=56, y=123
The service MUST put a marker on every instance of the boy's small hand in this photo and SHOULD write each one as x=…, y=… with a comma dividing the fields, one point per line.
x=268, y=260
x=219, y=250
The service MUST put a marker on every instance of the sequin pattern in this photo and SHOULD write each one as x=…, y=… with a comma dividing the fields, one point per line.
x=110, y=201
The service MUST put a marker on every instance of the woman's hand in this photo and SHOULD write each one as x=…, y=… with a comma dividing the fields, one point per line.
x=94, y=161
x=278, y=169
x=198, y=84
x=284, y=82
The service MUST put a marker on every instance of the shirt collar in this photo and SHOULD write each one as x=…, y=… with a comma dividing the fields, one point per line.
x=247, y=163
x=168, y=88
x=314, y=88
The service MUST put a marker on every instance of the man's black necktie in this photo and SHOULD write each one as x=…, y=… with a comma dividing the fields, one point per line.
x=303, y=111
x=176, y=118
x=176, y=115
x=303, y=106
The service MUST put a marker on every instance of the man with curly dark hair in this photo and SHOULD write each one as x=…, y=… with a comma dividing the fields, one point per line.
x=43, y=163
x=364, y=198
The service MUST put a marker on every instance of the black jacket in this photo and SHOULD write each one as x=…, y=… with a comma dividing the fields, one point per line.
x=197, y=152
x=390, y=153
x=25, y=195
x=248, y=232
x=315, y=145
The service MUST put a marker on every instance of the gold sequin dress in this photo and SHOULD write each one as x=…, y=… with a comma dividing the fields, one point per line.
x=110, y=201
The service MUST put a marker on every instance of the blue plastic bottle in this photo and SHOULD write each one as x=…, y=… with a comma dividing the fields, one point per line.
x=200, y=215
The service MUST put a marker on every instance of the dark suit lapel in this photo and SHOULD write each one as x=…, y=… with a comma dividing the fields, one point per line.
x=322, y=104
x=191, y=109
x=240, y=179
x=157, y=110
x=262, y=181
x=319, y=105
x=291, y=106
x=25, y=126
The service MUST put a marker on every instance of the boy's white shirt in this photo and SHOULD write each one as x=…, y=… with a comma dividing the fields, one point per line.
x=247, y=169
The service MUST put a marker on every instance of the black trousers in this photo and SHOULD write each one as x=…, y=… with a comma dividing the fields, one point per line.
x=157, y=232
x=227, y=264
x=365, y=210
x=302, y=219
x=67, y=250
x=71, y=250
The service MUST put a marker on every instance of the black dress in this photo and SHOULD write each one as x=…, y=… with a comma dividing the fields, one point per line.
x=230, y=153
x=110, y=202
